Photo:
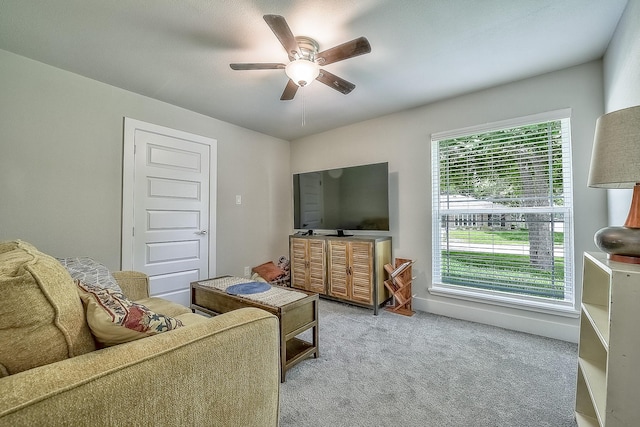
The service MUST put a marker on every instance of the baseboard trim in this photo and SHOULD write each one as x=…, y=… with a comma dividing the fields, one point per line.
x=557, y=327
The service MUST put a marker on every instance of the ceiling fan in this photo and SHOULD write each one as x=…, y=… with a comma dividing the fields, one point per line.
x=305, y=60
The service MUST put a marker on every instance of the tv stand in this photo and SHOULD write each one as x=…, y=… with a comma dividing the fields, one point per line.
x=348, y=269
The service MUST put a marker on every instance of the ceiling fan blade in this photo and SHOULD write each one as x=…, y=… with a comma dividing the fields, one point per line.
x=335, y=82
x=258, y=66
x=347, y=50
x=282, y=31
x=289, y=91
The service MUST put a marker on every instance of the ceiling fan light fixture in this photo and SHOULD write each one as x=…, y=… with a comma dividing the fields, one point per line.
x=302, y=71
x=303, y=52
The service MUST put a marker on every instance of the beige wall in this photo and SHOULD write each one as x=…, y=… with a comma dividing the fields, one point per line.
x=403, y=139
x=61, y=168
x=622, y=62
x=622, y=88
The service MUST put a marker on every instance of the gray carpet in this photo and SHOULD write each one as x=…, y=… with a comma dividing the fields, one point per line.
x=428, y=370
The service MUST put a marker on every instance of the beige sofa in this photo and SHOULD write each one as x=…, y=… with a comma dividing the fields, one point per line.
x=220, y=371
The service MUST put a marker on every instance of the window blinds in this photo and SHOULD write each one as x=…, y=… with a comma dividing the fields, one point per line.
x=502, y=210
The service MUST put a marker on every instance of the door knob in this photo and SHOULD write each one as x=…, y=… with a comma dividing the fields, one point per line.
x=201, y=232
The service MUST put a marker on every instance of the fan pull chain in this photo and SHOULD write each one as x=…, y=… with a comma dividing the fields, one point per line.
x=303, y=105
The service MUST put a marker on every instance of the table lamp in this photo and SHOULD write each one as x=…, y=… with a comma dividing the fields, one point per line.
x=615, y=163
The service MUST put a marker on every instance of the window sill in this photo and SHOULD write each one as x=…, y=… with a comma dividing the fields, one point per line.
x=560, y=308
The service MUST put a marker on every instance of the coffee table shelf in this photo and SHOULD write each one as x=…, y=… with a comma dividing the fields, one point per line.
x=297, y=350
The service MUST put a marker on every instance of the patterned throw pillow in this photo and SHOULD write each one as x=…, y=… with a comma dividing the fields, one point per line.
x=90, y=271
x=114, y=319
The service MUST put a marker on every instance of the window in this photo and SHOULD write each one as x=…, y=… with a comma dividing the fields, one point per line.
x=502, y=212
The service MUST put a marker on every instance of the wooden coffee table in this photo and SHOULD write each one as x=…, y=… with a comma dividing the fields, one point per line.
x=297, y=311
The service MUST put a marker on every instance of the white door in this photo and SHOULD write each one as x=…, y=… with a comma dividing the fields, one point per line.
x=168, y=229
x=311, y=201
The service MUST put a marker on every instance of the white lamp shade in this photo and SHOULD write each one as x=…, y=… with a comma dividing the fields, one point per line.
x=615, y=161
x=302, y=71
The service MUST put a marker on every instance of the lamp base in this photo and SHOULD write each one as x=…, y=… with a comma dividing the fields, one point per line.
x=625, y=258
x=622, y=244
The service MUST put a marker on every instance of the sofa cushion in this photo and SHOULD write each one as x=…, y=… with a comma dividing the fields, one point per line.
x=41, y=317
x=90, y=271
x=189, y=319
x=161, y=305
x=114, y=319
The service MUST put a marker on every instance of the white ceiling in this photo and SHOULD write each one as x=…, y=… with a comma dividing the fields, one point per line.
x=422, y=50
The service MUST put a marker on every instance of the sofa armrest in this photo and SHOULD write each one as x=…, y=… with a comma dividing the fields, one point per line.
x=223, y=371
x=134, y=284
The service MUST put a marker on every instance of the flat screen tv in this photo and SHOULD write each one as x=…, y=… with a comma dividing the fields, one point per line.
x=350, y=198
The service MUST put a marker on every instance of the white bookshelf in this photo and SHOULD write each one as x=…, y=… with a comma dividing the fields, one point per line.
x=609, y=346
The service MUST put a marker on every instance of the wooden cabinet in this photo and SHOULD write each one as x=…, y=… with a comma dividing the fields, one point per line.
x=308, y=264
x=351, y=270
x=609, y=346
x=338, y=270
x=354, y=267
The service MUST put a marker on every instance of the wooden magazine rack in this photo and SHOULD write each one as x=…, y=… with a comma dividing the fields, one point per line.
x=399, y=284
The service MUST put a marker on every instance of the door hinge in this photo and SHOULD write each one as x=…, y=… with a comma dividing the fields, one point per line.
x=133, y=231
